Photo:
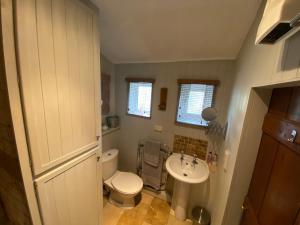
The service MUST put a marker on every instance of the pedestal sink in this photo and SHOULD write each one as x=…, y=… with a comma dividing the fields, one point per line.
x=186, y=172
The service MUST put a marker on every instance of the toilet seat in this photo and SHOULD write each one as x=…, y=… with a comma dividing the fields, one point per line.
x=127, y=183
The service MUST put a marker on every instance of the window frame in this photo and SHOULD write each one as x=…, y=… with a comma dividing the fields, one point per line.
x=180, y=82
x=139, y=80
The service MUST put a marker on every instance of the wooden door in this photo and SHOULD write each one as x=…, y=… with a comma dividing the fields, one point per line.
x=59, y=65
x=282, y=201
x=274, y=192
x=249, y=217
x=70, y=195
x=260, y=179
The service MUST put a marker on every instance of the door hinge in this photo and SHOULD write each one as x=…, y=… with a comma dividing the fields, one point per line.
x=30, y=163
x=35, y=188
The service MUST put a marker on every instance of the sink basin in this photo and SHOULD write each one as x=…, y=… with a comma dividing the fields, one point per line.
x=185, y=171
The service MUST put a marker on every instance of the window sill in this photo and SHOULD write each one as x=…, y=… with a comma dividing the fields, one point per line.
x=190, y=125
x=109, y=131
x=137, y=116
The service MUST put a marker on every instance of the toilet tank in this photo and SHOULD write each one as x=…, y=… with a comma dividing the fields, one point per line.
x=109, y=163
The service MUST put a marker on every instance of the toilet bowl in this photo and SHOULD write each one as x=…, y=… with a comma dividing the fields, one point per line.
x=124, y=187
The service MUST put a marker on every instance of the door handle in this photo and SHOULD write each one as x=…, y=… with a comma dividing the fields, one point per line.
x=244, y=208
x=292, y=136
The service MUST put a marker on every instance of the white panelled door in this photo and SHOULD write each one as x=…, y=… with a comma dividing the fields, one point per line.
x=70, y=195
x=59, y=65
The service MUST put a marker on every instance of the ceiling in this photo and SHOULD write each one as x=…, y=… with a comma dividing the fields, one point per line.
x=135, y=31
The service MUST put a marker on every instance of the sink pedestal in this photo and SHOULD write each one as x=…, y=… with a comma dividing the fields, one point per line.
x=187, y=171
x=180, y=198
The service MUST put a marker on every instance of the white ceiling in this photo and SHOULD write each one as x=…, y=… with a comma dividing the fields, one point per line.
x=134, y=31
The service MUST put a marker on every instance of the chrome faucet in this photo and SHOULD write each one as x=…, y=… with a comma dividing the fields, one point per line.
x=194, y=160
x=182, y=156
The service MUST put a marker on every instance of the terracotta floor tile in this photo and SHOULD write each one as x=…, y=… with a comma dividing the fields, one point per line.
x=134, y=216
x=111, y=214
x=146, y=198
x=150, y=211
x=173, y=221
x=158, y=212
x=145, y=223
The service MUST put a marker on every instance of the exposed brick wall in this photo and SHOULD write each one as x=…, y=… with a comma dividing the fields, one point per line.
x=12, y=195
x=190, y=146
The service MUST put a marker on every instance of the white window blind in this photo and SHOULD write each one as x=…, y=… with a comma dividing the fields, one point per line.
x=139, y=99
x=193, y=99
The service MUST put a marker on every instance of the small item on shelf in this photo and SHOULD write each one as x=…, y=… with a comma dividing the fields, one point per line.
x=112, y=121
x=104, y=127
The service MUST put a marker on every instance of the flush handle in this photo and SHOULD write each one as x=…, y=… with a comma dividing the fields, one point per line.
x=292, y=136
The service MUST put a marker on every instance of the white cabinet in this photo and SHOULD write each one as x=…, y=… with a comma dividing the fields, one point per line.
x=70, y=195
x=59, y=65
x=288, y=62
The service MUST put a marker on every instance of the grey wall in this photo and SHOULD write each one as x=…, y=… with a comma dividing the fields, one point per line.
x=108, y=68
x=262, y=66
x=166, y=74
x=110, y=140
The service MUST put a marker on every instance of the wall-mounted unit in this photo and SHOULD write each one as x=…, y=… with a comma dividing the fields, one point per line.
x=280, y=20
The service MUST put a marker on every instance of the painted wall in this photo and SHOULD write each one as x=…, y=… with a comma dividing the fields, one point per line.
x=257, y=66
x=110, y=140
x=166, y=74
x=109, y=68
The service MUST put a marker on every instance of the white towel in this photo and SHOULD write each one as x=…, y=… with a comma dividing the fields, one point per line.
x=152, y=153
x=152, y=175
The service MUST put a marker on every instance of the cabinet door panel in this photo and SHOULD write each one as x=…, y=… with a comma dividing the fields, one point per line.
x=30, y=79
x=62, y=72
x=294, y=106
x=70, y=195
x=56, y=42
x=288, y=59
x=281, y=203
x=280, y=101
x=48, y=77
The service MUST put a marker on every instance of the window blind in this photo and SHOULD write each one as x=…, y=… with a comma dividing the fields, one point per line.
x=139, y=99
x=193, y=99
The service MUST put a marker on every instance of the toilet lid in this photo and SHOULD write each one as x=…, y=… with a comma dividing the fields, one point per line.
x=127, y=183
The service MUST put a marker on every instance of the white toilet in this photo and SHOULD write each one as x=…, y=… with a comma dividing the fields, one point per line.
x=125, y=188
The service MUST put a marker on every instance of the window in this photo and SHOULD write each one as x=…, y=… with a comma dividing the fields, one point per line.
x=139, y=97
x=194, y=96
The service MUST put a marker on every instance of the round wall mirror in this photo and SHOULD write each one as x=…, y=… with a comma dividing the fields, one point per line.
x=209, y=114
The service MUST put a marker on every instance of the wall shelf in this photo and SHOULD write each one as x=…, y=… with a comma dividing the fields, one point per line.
x=109, y=131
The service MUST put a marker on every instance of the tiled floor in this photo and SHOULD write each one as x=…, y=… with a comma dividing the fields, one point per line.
x=150, y=211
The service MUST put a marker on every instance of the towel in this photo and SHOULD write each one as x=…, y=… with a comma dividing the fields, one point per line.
x=152, y=153
x=151, y=175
